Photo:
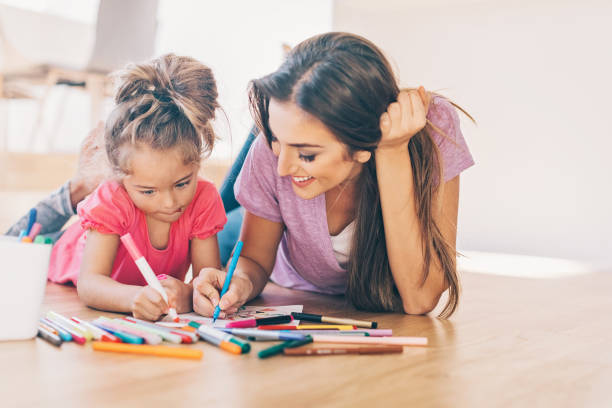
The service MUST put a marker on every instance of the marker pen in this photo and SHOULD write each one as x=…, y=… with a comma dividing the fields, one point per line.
x=147, y=272
x=223, y=340
x=256, y=334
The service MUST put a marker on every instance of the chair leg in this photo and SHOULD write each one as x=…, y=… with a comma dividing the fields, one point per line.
x=50, y=82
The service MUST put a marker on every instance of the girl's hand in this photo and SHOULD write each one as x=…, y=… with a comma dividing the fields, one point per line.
x=404, y=118
x=206, y=288
x=148, y=304
x=179, y=294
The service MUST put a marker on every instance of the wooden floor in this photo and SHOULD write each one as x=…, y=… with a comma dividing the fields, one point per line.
x=514, y=343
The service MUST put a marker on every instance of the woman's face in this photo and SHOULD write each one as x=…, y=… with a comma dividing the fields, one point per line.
x=309, y=152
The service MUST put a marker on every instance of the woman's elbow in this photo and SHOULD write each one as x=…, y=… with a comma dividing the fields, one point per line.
x=420, y=305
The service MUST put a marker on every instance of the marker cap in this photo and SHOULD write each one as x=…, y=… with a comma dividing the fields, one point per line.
x=131, y=247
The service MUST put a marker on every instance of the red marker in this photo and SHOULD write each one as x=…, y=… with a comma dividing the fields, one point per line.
x=259, y=322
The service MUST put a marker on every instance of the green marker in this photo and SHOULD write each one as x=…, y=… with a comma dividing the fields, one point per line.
x=277, y=349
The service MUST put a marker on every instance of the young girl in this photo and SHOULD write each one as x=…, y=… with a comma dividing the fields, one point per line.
x=155, y=138
x=352, y=188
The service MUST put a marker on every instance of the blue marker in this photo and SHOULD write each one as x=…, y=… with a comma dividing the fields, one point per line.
x=228, y=277
x=256, y=334
x=31, y=220
x=125, y=337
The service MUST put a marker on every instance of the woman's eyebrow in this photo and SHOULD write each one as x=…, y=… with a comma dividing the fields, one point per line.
x=304, y=145
x=298, y=145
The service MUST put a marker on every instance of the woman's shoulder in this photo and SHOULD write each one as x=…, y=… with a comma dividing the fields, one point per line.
x=261, y=150
x=445, y=129
x=260, y=164
x=442, y=113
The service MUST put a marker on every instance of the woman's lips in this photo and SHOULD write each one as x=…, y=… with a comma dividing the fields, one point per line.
x=302, y=181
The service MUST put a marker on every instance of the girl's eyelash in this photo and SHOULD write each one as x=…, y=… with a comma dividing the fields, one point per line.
x=183, y=184
x=147, y=192
x=307, y=158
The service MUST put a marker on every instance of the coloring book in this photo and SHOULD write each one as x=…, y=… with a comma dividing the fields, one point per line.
x=244, y=313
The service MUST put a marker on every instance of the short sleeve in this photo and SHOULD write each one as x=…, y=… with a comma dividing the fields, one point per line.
x=454, y=152
x=207, y=211
x=108, y=209
x=256, y=187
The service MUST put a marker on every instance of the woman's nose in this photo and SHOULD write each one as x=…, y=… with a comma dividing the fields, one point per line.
x=286, y=164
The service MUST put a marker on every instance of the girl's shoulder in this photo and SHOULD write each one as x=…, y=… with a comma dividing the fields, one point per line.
x=107, y=207
x=205, y=215
x=108, y=193
x=205, y=197
x=205, y=191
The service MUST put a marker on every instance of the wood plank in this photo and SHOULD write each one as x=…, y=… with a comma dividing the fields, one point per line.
x=514, y=342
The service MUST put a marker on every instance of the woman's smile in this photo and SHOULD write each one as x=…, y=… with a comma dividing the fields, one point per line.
x=302, y=181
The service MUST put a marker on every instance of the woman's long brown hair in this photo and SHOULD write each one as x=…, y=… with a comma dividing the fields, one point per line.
x=346, y=82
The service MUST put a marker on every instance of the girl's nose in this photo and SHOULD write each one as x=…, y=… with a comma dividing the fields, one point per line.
x=169, y=201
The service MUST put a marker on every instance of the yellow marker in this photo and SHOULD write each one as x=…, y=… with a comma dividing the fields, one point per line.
x=325, y=327
x=161, y=351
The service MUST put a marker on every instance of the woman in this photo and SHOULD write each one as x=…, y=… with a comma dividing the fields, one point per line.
x=353, y=186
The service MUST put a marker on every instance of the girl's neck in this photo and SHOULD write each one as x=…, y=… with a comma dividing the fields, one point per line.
x=159, y=232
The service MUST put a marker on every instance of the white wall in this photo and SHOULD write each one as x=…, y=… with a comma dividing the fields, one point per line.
x=536, y=76
x=239, y=39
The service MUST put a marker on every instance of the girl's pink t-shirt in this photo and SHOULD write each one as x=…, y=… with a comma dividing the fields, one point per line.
x=110, y=210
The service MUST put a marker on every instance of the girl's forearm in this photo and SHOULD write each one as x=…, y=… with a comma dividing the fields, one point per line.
x=102, y=292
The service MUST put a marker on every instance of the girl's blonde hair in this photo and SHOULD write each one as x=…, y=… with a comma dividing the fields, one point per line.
x=165, y=103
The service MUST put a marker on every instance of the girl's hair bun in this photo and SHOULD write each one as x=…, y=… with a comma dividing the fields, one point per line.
x=166, y=102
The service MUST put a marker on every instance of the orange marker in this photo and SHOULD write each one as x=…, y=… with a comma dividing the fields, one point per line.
x=161, y=351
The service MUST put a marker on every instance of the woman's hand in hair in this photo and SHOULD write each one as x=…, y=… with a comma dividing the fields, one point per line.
x=206, y=291
x=404, y=118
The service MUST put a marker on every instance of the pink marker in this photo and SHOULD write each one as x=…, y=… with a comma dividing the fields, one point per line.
x=147, y=272
x=35, y=230
x=274, y=320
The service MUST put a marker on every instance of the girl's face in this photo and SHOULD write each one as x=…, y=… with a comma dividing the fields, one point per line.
x=309, y=152
x=160, y=184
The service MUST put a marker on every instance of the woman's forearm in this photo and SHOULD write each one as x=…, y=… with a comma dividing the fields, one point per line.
x=255, y=273
x=403, y=232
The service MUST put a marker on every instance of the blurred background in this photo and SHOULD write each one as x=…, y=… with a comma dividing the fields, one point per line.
x=534, y=74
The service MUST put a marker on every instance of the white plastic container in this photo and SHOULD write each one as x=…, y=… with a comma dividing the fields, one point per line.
x=23, y=273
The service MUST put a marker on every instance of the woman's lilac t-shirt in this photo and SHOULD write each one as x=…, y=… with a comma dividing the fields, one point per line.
x=305, y=259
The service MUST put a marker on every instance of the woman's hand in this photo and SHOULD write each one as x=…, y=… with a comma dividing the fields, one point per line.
x=148, y=304
x=404, y=118
x=179, y=294
x=206, y=288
